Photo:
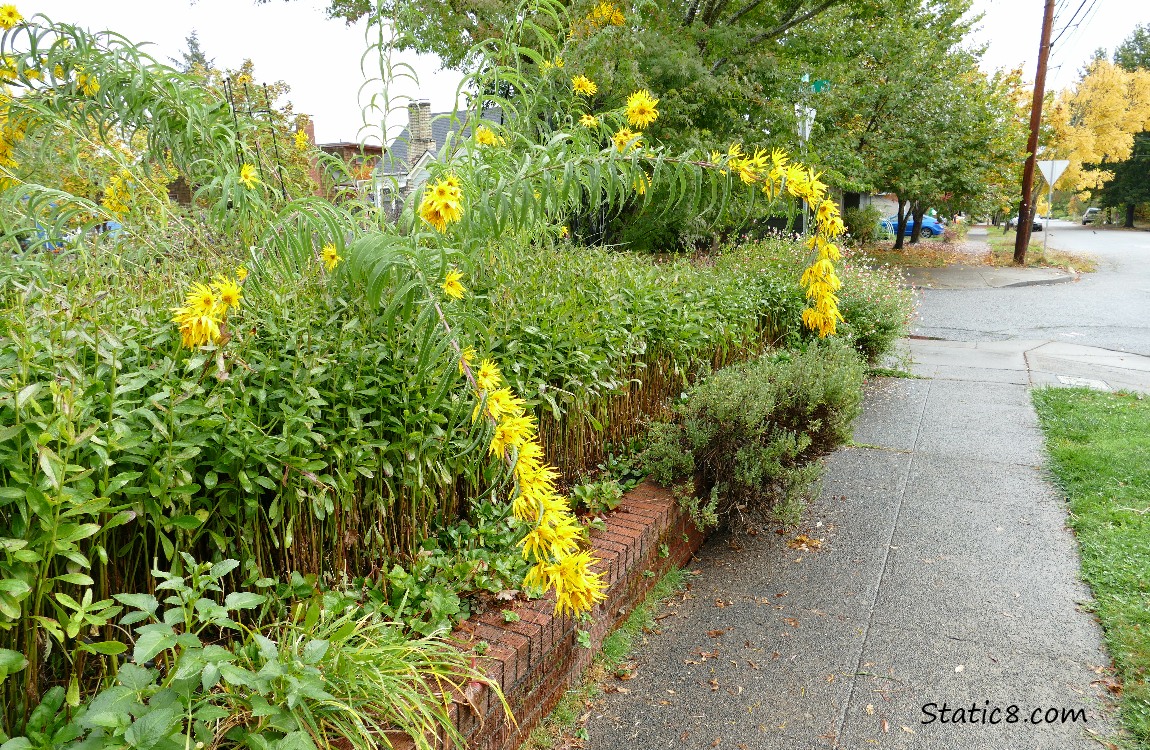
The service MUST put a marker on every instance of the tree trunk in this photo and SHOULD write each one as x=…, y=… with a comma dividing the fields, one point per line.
x=1129, y=216
x=901, y=226
x=918, y=210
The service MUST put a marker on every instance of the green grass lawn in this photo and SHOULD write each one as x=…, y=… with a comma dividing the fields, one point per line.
x=1099, y=446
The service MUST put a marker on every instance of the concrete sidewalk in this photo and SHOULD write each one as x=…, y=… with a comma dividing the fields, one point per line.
x=1025, y=362
x=942, y=574
x=985, y=277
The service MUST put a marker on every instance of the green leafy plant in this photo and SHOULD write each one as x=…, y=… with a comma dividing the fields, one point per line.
x=747, y=435
x=597, y=497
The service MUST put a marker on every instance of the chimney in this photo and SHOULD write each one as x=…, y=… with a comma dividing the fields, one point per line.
x=419, y=129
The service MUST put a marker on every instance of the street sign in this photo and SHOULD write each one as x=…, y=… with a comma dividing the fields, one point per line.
x=1052, y=169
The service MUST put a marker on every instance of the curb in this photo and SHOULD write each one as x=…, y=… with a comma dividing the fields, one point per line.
x=536, y=659
x=1066, y=279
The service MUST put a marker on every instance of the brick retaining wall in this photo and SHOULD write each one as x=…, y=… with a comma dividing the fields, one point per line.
x=536, y=659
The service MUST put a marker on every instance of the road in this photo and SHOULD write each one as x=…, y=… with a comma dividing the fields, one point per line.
x=1109, y=308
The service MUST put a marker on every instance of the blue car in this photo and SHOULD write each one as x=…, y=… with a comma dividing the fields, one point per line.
x=931, y=227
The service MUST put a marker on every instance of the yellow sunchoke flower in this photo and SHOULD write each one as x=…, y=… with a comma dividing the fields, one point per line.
x=442, y=203
x=624, y=137
x=248, y=176
x=466, y=358
x=488, y=377
x=589, y=121
x=641, y=110
x=241, y=273
x=485, y=136
x=9, y=16
x=301, y=140
x=584, y=85
x=228, y=292
x=330, y=256
x=452, y=286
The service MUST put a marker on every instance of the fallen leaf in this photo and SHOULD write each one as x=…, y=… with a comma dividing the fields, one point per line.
x=805, y=543
x=870, y=710
x=714, y=685
x=752, y=665
x=716, y=633
x=959, y=668
x=507, y=595
x=830, y=678
x=885, y=726
x=718, y=741
x=908, y=730
x=720, y=603
x=794, y=623
x=782, y=594
x=683, y=737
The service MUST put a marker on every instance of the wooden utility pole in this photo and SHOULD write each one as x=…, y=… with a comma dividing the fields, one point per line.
x=1022, y=235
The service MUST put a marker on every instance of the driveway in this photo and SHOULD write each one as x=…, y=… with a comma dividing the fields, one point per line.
x=1109, y=308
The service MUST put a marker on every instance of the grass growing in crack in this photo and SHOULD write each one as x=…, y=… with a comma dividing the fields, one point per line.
x=1099, y=445
x=888, y=372
x=569, y=715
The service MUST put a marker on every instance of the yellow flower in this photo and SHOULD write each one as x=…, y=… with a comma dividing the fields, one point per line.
x=488, y=377
x=584, y=85
x=197, y=330
x=200, y=299
x=485, y=136
x=88, y=84
x=452, y=286
x=248, y=176
x=641, y=110
x=589, y=121
x=331, y=257
x=513, y=430
x=441, y=203
x=9, y=16
x=577, y=589
x=564, y=232
x=228, y=292
x=241, y=273
x=466, y=357
x=301, y=140
x=555, y=534
x=624, y=137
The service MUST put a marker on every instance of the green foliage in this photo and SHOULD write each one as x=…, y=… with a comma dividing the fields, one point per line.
x=863, y=224
x=1100, y=456
x=597, y=497
x=332, y=674
x=748, y=434
x=877, y=308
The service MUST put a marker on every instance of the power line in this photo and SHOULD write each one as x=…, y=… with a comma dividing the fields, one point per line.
x=1076, y=26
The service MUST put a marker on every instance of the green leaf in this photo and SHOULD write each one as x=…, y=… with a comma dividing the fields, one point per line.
x=147, y=731
x=243, y=600
x=11, y=662
x=151, y=643
x=107, y=648
x=185, y=522
x=134, y=677
x=314, y=651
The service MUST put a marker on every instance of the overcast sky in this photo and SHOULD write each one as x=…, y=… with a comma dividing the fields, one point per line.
x=320, y=59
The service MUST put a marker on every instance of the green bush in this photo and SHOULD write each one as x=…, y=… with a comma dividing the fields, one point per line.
x=746, y=436
x=876, y=307
x=862, y=224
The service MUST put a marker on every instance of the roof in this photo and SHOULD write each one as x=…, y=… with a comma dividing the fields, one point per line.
x=395, y=158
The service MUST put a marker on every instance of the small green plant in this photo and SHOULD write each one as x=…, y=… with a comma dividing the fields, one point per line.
x=598, y=497
x=481, y=648
x=583, y=638
x=510, y=616
x=664, y=550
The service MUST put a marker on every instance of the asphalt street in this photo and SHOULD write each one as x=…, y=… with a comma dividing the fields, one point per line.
x=1109, y=308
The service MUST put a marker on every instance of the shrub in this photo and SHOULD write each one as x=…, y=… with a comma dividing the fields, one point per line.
x=876, y=307
x=747, y=435
x=862, y=224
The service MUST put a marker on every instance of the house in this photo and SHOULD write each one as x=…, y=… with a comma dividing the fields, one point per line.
x=405, y=165
x=361, y=159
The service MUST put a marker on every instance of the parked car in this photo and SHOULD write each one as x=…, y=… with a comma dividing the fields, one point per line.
x=1089, y=216
x=1035, y=225
x=931, y=227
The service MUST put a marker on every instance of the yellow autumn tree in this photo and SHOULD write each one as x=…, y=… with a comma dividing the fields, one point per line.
x=1094, y=123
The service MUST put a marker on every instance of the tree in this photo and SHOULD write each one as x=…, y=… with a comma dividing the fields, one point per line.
x=1094, y=124
x=1134, y=52
x=194, y=56
x=1129, y=184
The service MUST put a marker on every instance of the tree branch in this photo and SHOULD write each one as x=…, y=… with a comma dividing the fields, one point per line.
x=779, y=30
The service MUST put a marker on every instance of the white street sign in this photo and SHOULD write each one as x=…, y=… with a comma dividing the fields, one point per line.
x=1052, y=169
